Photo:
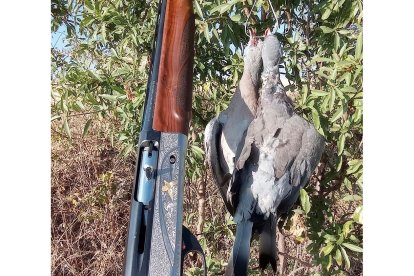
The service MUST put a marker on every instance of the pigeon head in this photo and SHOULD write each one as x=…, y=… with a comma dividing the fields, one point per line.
x=253, y=57
x=271, y=51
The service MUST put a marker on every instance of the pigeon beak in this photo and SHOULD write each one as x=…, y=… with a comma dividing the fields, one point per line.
x=267, y=32
x=253, y=38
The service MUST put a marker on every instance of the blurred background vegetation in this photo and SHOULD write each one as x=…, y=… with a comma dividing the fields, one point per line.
x=99, y=56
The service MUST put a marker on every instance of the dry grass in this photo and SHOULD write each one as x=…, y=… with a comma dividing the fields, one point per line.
x=91, y=186
x=90, y=205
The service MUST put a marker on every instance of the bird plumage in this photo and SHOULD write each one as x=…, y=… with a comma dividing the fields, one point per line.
x=224, y=134
x=242, y=107
x=280, y=152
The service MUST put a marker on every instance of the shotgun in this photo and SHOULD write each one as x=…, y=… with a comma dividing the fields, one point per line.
x=157, y=241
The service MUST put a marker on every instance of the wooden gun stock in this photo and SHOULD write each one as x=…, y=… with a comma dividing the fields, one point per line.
x=175, y=80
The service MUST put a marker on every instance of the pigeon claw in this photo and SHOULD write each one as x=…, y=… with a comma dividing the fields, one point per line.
x=253, y=38
x=267, y=32
x=230, y=197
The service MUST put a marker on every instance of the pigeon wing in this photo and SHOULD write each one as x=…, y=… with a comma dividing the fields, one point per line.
x=311, y=149
x=212, y=147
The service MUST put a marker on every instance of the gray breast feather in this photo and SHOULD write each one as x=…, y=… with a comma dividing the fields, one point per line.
x=284, y=151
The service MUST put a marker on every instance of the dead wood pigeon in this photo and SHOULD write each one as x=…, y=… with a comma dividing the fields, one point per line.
x=224, y=134
x=280, y=152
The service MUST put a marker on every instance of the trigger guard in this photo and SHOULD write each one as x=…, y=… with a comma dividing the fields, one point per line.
x=191, y=244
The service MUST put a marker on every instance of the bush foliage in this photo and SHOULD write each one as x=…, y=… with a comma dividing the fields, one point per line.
x=102, y=73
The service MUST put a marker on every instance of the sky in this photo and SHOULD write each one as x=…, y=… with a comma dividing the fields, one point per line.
x=58, y=37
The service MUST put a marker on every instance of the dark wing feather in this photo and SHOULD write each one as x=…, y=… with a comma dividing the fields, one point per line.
x=212, y=135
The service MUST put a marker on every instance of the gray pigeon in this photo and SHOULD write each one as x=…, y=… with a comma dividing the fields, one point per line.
x=224, y=134
x=280, y=152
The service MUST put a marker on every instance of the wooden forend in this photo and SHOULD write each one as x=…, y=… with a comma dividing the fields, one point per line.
x=175, y=79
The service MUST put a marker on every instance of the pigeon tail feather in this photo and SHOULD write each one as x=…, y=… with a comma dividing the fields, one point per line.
x=239, y=258
x=267, y=249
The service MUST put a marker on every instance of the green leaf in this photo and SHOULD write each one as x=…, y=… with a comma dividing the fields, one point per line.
x=114, y=53
x=55, y=118
x=354, y=166
x=197, y=151
x=338, y=257
x=86, y=127
x=337, y=115
x=352, y=247
x=337, y=41
x=344, y=31
x=95, y=75
x=89, y=5
x=225, y=8
x=86, y=21
x=315, y=118
x=304, y=93
x=345, y=255
x=327, y=249
x=103, y=32
x=341, y=53
x=346, y=228
x=332, y=99
x=341, y=143
x=322, y=74
x=358, y=215
x=355, y=162
x=335, y=56
x=354, y=239
x=122, y=137
x=351, y=198
x=198, y=9
x=349, y=89
x=66, y=128
x=222, y=8
x=80, y=105
x=327, y=12
x=235, y=18
x=322, y=59
x=358, y=47
x=206, y=32
x=329, y=237
x=319, y=93
x=329, y=264
x=111, y=98
x=338, y=164
x=121, y=71
x=304, y=200
x=334, y=73
x=348, y=184
x=118, y=89
x=326, y=29
x=63, y=102
x=344, y=63
x=339, y=92
x=340, y=240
